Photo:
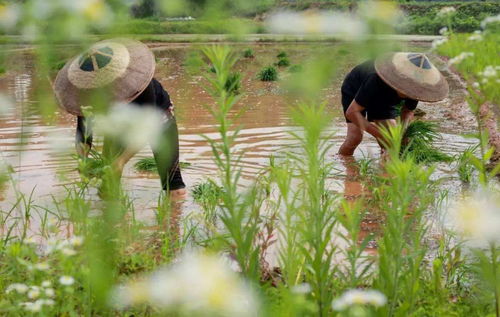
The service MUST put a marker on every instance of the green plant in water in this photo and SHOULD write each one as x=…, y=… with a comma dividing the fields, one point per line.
x=233, y=83
x=465, y=169
x=282, y=54
x=268, y=74
x=283, y=62
x=419, y=137
x=146, y=164
x=248, y=53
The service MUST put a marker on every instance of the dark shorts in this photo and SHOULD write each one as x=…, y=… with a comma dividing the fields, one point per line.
x=390, y=113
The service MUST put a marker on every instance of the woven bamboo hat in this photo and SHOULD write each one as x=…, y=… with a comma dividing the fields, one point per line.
x=413, y=75
x=124, y=65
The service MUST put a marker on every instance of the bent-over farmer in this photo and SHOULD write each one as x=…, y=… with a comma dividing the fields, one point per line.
x=124, y=69
x=376, y=92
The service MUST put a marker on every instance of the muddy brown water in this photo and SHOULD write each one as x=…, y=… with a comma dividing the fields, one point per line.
x=43, y=161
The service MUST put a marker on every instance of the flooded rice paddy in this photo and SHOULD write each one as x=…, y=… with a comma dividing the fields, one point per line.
x=43, y=162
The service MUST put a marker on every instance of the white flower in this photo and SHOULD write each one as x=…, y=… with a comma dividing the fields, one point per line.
x=488, y=20
x=49, y=292
x=359, y=297
x=475, y=85
x=47, y=302
x=68, y=251
x=303, y=288
x=477, y=218
x=6, y=105
x=446, y=11
x=489, y=71
x=33, y=306
x=459, y=58
x=438, y=42
x=34, y=293
x=133, y=125
x=475, y=37
x=18, y=287
x=196, y=284
x=76, y=241
x=443, y=31
x=333, y=23
x=42, y=266
x=46, y=284
x=66, y=280
x=9, y=15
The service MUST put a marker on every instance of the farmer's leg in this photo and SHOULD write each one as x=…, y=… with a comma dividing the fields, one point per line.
x=352, y=140
x=166, y=155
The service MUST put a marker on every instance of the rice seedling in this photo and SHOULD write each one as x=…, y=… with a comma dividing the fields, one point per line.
x=282, y=55
x=146, y=164
x=233, y=83
x=248, y=53
x=419, y=136
x=268, y=73
x=283, y=62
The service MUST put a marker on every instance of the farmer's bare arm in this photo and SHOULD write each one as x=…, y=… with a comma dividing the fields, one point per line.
x=407, y=115
x=354, y=114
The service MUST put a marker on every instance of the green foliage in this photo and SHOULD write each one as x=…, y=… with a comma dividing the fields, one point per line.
x=282, y=54
x=268, y=73
x=422, y=18
x=295, y=68
x=146, y=164
x=420, y=136
x=233, y=83
x=283, y=62
x=248, y=53
x=465, y=168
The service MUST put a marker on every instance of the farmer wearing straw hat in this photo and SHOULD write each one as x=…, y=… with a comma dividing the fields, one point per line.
x=376, y=92
x=124, y=68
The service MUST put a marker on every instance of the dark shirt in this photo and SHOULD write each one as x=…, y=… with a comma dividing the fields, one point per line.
x=154, y=94
x=379, y=99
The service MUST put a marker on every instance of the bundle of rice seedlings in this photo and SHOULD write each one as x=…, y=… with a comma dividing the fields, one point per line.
x=248, y=53
x=268, y=74
x=421, y=136
x=283, y=62
x=148, y=164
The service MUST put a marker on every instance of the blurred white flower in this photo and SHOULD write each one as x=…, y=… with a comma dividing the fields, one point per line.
x=34, y=293
x=475, y=85
x=443, y=31
x=132, y=125
x=359, y=297
x=17, y=287
x=9, y=15
x=489, y=71
x=332, y=23
x=47, y=302
x=46, y=284
x=66, y=280
x=42, y=266
x=197, y=283
x=49, y=292
x=59, y=141
x=76, y=241
x=477, y=218
x=476, y=36
x=303, y=288
x=488, y=20
x=438, y=42
x=6, y=105
x=446, y=11
x=68, y=251
x=33, y=306
x=459, y=58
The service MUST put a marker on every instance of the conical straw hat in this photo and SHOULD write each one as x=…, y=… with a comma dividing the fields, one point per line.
x=413, y=75
x=125, y=66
